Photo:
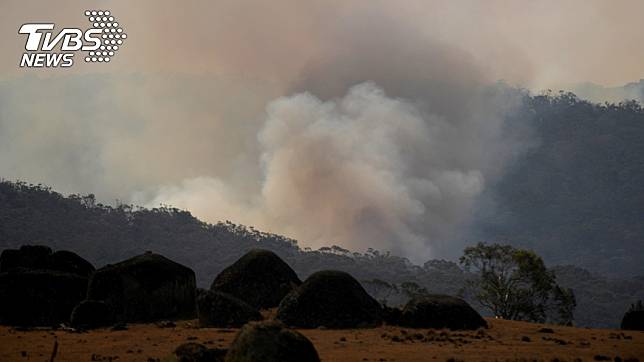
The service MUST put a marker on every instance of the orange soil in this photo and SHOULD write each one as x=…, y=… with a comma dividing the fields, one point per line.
x=501, y=342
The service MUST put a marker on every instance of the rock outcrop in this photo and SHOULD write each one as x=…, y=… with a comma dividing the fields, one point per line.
x=196, y=352
x=440, y=311
x=90, y=314
x=217, y=309
x=39, y=287
x=332, y=299
x=145, y=288
x=260, y=278
x=39, y=297
x=270, y=342
x=40, y=257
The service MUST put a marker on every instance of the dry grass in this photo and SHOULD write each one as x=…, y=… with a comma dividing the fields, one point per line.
x=503, y=341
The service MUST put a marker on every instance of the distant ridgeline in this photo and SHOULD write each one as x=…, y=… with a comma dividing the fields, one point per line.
x=575, y=198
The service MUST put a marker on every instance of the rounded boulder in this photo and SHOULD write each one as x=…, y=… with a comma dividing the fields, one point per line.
x=270, y=342
x=27, y=257
x=40, y=257
x=39, y=297
x=69, y=262
x=259, y=278
x=196, y=352
x=90, y=314
x=217, y=309
x=145, y=288
x=440, y=311
x=332, y=299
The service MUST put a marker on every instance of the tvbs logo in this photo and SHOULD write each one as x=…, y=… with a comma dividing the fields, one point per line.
x=47, y=48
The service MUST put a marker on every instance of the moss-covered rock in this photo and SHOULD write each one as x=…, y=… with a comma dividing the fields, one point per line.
x=270, y=342
x=145, y=288
x=260, y=278
x=332, y=299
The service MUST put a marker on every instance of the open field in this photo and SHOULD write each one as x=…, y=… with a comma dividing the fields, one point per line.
x=503, y=341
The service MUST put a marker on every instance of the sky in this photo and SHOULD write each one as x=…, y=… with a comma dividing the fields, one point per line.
x=360, y=123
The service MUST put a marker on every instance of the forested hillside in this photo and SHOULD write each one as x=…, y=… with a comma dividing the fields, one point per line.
x=34, y=214
x=578, y=197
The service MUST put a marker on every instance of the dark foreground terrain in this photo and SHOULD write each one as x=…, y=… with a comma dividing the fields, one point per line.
x=503, y=341
x=34, y=214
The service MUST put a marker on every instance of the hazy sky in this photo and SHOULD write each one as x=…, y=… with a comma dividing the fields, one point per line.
x=541, y=43
x=362, y=123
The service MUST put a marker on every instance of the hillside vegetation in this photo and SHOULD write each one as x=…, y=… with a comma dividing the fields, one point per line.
x=576, y=198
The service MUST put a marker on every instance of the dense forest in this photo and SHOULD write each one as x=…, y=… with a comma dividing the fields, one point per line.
x=34, y=214
x=576, y=198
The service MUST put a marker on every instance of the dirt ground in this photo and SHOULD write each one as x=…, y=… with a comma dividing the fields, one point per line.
x=503, y=341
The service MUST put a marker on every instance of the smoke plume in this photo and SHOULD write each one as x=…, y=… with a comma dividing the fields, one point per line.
x=363, y=124
x=365, y=170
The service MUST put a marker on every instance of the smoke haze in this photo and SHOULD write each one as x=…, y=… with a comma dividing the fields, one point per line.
x=367, y=124
x=365, y=170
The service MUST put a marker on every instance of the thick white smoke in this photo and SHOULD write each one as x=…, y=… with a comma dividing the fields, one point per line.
x=365, y=170
x=365, y=124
